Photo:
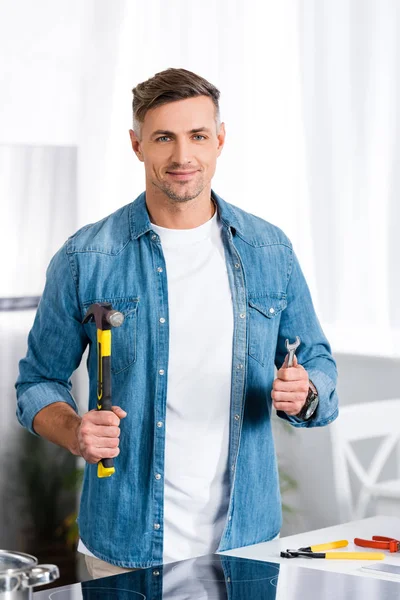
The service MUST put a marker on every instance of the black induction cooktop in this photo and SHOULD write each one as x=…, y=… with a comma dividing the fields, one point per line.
x=217, y=577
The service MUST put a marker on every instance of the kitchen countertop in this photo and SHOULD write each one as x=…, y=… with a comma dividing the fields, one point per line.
x=366, y=528
x=217, y=577
x=255, y=572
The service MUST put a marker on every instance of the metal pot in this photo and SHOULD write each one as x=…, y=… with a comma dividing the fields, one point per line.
x=19, y=573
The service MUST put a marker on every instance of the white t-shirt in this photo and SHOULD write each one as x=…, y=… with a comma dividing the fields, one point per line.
x=196, y=481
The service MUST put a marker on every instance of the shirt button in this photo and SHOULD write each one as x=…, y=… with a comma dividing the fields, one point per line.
x=237, y=417
x=239, y=366
x=156, y=573
x=162, y=320
x=237, y=266
x=229, y=518
x=161, y=371
x=153, y=237
x=272, y=310
x=242, y=315
x=157, y=476
x=159, y=424
x=159, y=269
x=156, y=525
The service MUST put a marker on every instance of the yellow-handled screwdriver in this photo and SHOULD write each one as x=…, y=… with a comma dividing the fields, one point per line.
x=327, y=546
x=355, y=555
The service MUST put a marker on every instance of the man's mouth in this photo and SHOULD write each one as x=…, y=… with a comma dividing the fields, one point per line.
x=181, y=175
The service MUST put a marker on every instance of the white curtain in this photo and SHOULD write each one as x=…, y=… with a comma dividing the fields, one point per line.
x=351, y=82
x=38, y=191
x=310, y=94
x=310, y=100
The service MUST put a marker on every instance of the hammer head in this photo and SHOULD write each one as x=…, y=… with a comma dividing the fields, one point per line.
x=103, y=315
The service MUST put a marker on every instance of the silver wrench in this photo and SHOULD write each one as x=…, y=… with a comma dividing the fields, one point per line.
x=291, y=348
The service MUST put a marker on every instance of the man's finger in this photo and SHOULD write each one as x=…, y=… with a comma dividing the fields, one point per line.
x=292, y=373
x=120, y=412
x=290, y=408
x=106, y=431
x=98, y=453
x=102, y=417
x=290, y=386
x=104, y=442
x=288, y=396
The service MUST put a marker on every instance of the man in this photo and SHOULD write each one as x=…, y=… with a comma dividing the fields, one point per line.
x=210, y=293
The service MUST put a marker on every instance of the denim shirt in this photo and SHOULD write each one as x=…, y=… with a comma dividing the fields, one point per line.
x=120, y=260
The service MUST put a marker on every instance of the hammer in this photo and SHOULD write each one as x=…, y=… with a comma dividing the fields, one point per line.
x=105, y=318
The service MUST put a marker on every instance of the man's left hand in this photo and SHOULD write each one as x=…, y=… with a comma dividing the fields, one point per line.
x=290, y=388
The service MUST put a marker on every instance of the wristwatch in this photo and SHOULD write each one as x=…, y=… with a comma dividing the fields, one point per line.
x=311, y=403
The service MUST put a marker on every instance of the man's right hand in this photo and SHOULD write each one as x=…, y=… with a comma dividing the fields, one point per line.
x=98, y=434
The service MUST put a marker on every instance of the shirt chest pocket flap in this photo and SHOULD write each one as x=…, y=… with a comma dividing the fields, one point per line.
x=264, y=317
x=123, y=338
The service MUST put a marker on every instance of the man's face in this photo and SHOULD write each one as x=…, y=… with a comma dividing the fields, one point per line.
x=179, y=147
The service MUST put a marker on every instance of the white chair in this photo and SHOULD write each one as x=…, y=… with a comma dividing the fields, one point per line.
x=365, y=421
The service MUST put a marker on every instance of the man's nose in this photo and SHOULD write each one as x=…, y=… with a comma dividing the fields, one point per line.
x=181, y=152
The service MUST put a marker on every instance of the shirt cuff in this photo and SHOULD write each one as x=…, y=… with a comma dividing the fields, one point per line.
x=39, y=395
x=327, y=409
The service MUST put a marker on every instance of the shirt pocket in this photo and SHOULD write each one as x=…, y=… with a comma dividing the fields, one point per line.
x=264, y=318
x=123, y=338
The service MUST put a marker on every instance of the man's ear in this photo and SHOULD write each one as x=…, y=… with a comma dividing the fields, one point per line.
x=135, y=142
x=221, y=138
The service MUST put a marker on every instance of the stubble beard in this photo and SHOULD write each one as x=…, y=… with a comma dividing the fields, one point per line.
x=173, y=194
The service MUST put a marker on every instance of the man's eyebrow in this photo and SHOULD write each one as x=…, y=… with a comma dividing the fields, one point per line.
x=171, y=133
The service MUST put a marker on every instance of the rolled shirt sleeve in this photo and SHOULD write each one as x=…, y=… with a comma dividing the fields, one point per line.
x=314, y=353
x=56, y=344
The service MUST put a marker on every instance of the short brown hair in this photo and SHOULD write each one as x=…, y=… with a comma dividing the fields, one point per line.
x=168, y=86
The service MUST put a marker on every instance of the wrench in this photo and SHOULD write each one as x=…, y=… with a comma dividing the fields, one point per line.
x=291, y=348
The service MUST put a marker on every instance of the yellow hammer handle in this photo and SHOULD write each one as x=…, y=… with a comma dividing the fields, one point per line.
x=330, y=546
x=355, y=555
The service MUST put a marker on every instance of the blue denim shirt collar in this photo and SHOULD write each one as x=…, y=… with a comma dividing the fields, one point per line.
x=140, y=221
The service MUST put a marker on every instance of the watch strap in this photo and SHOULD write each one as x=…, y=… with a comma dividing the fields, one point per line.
x=311, y=397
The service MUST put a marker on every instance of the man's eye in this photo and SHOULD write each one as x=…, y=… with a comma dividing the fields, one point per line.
x=166, y=137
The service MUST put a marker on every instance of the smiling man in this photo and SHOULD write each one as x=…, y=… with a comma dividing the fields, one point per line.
x=210, y=294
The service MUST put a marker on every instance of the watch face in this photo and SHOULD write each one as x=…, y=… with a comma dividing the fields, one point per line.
x=311, y=408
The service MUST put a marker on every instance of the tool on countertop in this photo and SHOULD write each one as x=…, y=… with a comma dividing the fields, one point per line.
x=318, y=552
x=291, y=348
x=327, y=546
x=379, y=542
x=105, y=318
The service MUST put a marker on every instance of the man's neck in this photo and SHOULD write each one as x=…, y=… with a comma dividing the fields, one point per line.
x=171, y=214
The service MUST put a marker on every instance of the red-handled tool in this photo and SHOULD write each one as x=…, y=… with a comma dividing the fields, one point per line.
x=379, y=542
